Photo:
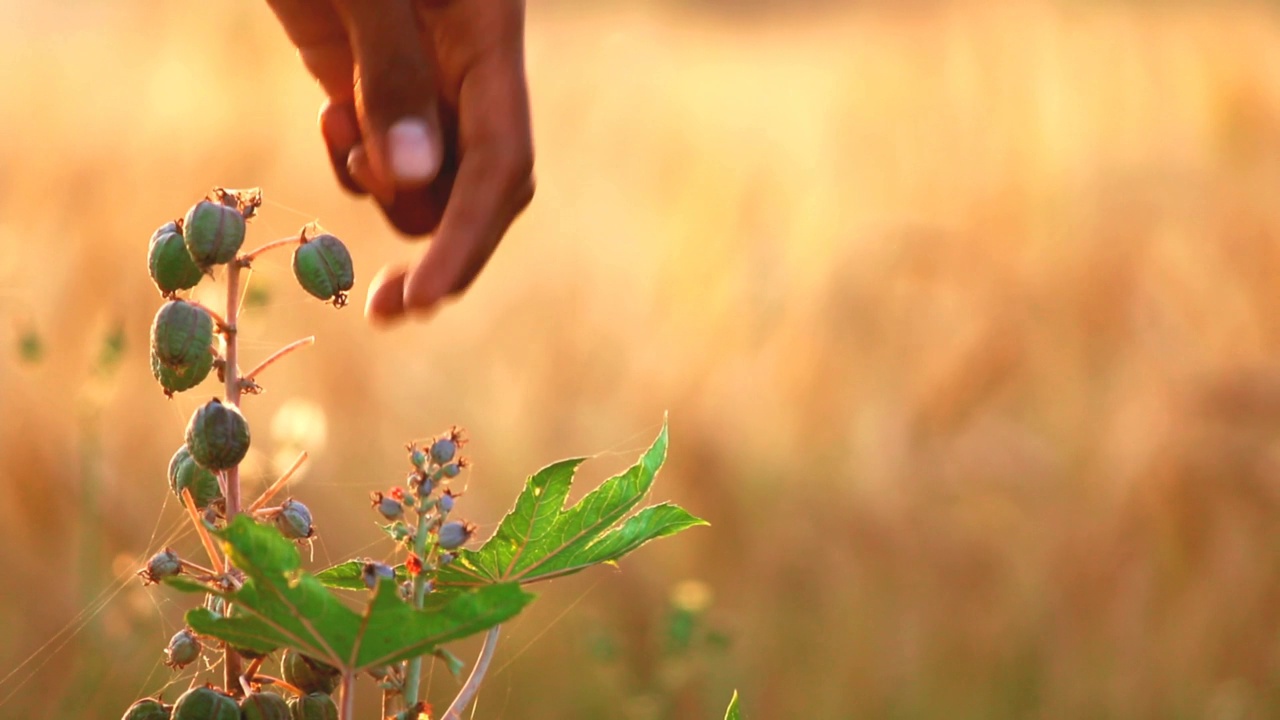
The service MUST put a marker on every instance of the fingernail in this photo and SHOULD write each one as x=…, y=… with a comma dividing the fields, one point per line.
x=413, y=158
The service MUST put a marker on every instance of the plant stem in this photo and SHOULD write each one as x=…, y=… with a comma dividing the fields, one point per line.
x=347, y=712
x=295, y=345
x=252, y=254
x=231, y=664
x=475, y=678
x=278, y=484
x=209, y=547
x=413, y=678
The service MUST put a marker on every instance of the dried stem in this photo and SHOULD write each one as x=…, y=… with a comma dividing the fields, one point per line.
x=278, y=485
x=203, y=532
x=291, y=347
x=477, y=676
x=282, y=242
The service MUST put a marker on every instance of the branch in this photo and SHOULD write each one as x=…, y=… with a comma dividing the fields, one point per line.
x=253, y=254
x=276, y=486
x=477, y=676
x=250, y=376
x=203, y=532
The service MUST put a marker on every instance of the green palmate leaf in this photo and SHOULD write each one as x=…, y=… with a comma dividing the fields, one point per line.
x=732, y=712
x=279, y=605
x=539, y=539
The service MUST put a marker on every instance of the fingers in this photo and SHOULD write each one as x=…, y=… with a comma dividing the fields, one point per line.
x=494, y=183
x=395, y=93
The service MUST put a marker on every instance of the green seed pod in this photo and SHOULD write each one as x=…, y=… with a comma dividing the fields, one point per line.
x=217, y=436
x=184, y=648
x=453, y=534
x=323, y=268
x=213, y=232
x=294, y=520
x=185, y=473
x=179, y=379
x=264, y=706
x=205, y=703
x=181, y=334
x=147, y=709
x=306, y=674
x=171, y=266
x=316, y=706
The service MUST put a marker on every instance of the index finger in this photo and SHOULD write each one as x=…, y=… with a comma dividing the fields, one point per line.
x=493, y=185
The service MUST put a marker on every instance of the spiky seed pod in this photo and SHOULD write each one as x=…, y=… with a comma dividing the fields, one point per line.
x=264, y=706
x=213, y=233
x=171, y=266
x=163, y=564
x=184, y=648
x=451, y=470
x=316, y=706
x=205, y=703
x=445, y=503
x=181, y=334
x=148, y=709
x=418, y=458
x=184, y=472
x=323, y=268
x=294, y=520
x=443, y=450
x=375, y=572
x=179, y=379
x=454, y=534
x=306, y=674
x=217, y=436
x=387, y=506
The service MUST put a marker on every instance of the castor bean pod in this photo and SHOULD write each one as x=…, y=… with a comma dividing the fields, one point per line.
x=294, y=520
x=323, y=268
x=168, y=261
x=179, y=379
x=205, y=703
x=181, y=334
x=217, y=436
x=184, y=472
x=306, y=674
x=316, y=706
x=148, y=709
x=264, y=706
x=454, y=534
x=163, y=564
x=184, y=648
x=213, y=233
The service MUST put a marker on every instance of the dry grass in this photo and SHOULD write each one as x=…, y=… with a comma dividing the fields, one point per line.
x=965, y=314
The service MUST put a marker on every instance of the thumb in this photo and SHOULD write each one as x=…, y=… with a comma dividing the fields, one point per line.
x=395, y=93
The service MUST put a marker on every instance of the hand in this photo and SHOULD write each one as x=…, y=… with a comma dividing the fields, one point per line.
x=427, y=111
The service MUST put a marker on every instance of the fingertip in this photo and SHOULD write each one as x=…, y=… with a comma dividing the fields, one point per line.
x=385, y=303
x=413, y=151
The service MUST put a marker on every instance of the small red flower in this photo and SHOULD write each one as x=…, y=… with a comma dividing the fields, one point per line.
x=413, y=565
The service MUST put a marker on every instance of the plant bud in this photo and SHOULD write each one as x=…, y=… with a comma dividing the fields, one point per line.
x=294, y=520
x=323, y=268
x=443, y=450
x=213, y=232
x=185, y=473
x=451, y=470
x=179, y=379
x=205, y=703
x=417, y=458
x=184, y=648
x=454, y=534
x=217, y=436
x=388, y=507
x=171, y=266
x=264, y=706
x=181, y=334
x=306, y=674
x=148, y=709
x=445, y=503
x=374, y=572
x=163, y=564
x=316, y=706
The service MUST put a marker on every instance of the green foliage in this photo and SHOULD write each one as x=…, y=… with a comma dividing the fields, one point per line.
x=732, y=713
x=282, y=606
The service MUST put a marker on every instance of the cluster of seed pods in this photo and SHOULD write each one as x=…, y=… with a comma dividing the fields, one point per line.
x=181, y=254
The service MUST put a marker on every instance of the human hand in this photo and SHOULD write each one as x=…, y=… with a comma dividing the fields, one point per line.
x=428, y=112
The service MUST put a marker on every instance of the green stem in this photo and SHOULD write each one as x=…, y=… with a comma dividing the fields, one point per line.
x=413, y=677
x=475, y=678
x=347, y=711
x=231, y=664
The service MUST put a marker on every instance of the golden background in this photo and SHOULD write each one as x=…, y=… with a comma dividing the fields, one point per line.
x=965, y=315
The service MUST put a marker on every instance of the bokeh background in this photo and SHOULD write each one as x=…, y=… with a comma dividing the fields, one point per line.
x=965, y=314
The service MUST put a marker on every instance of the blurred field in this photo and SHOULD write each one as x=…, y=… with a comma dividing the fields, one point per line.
x=965, y=314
